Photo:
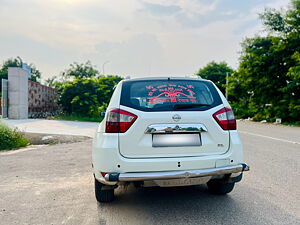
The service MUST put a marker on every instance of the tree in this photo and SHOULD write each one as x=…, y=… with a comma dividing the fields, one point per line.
x=50, y=82
x=266, y=84
x=82, y=70
x=217, y=73
x=86, y=97
x=80, y=97
x=35, y=73
x=12, y=62
x=282, y=22
x=82, y=91
x=17, y=62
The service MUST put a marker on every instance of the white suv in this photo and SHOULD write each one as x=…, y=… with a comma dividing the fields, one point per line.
x=167, y=132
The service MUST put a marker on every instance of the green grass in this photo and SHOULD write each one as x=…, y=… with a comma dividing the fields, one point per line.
x=293, y=124
x=77, y=118
x=11, y=138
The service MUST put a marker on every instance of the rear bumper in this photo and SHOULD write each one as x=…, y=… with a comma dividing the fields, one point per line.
x=115, y=177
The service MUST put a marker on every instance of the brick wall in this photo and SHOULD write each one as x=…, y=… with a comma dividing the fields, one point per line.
x=42, y=100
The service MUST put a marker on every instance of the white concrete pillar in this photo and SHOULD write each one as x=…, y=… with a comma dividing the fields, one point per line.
x=17, y=93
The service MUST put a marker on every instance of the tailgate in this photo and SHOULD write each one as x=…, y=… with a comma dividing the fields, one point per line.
x=156, y=135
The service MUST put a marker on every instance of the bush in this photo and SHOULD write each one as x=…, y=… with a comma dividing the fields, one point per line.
x=11, y=138
x=86, y=97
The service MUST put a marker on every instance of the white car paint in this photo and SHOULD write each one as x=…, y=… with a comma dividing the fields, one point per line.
x=132, y=151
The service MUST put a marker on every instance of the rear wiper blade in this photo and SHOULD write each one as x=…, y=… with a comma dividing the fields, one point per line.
x=186, y=106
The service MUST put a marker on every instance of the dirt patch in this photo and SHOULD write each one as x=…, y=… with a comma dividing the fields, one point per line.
x=46, y=139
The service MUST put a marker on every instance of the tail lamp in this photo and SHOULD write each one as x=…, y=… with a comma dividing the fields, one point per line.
x=225, y=118
x=119, y=121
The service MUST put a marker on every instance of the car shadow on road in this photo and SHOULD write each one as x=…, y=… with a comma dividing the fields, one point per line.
x=189, y=205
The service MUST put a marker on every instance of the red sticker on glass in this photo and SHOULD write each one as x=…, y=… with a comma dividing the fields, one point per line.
x=171, y=93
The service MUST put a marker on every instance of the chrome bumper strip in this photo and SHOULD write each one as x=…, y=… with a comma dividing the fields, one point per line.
x=176, y=174
x=175, y=128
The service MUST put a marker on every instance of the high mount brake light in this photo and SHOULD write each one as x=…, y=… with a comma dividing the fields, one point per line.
x=119, y=121
x=225, y=118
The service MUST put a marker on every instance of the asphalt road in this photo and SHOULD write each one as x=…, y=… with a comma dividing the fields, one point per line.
x=54, y=185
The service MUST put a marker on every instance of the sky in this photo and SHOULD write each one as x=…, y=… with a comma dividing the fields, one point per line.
x=136, y=38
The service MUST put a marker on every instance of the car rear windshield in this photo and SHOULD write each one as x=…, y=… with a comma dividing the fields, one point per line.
x=169, y=95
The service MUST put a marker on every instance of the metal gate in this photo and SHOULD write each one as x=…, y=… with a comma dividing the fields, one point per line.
x=4, y=99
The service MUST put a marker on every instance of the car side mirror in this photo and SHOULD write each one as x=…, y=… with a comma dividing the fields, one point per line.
x=103, y=114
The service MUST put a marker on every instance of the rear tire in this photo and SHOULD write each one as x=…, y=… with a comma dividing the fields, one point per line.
x=106, y=195
x=219, y=188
